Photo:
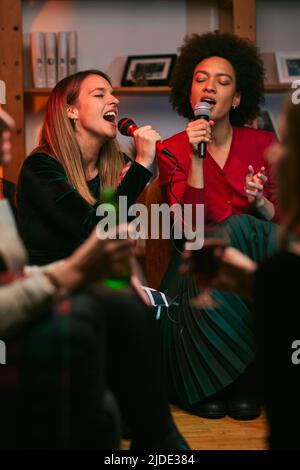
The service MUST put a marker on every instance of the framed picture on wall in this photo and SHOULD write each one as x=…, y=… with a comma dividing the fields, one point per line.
x=148, y=70
x=288, y=66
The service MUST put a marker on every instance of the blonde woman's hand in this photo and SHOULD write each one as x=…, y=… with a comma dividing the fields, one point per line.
x=96, y=259
x=145, y=142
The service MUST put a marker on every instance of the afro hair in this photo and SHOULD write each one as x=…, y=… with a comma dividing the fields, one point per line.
x=242, y=55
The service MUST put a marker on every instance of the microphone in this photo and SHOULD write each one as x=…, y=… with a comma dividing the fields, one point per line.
x=127, y=127
x=202, y=110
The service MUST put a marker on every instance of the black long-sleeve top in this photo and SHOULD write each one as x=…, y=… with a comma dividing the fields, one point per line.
x=277, y=315
x=53, y=217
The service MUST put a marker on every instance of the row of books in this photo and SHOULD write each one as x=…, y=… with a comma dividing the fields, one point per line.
x=53, y=57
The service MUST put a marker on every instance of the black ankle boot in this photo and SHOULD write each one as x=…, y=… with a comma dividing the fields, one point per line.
x=243, y=408
x=211, y=408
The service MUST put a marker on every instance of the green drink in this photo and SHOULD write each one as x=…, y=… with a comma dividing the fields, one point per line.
x=110, y=204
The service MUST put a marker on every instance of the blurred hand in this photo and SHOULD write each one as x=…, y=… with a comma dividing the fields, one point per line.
x=234, y=274
x=275, y=153
x=5, y=147
x=96, y=259
x=6, y=123
x=145, y=141
x=199, y=131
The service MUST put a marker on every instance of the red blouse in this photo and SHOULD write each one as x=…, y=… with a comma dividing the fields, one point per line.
x=223, y=193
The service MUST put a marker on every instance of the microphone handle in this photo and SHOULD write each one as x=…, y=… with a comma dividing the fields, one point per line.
x=202, y=145
x=202, y=149
x=159, y=146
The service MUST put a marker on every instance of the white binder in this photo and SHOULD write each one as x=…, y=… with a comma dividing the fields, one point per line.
x=72, y=52
x=62, y=55
x=50, y=48
x=37, y=44
x=2, y=92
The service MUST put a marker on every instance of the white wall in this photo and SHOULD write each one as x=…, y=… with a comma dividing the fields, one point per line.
x=278, y=29
x=109, y=31
x=278, y=25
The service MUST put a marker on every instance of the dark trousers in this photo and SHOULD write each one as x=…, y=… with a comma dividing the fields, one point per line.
x=53, y=386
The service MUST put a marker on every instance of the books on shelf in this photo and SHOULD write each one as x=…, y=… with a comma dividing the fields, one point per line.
x=37, y=47
x=2, y=92
x=50, y=50
x=62, y=55
x=53, y=57
x=72, y=52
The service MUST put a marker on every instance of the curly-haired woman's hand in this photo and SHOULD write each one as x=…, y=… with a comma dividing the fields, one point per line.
x=254, y=185
x=199, y=131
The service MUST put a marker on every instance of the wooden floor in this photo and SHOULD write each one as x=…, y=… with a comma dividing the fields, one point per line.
x=217, y=434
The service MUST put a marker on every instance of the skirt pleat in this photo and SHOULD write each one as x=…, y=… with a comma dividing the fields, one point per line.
x=207, y=349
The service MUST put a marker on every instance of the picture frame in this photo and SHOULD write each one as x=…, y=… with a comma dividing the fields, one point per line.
x=148, y=70
x=288, y=66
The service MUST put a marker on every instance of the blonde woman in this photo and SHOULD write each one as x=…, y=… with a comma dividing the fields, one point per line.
x=65, y=343
x=60, y=182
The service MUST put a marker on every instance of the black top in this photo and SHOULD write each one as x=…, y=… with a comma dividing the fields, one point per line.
x=53, y=217
x=277, y=315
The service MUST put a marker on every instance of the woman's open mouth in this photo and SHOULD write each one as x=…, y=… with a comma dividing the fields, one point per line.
x=211, y=101
x=110, y=116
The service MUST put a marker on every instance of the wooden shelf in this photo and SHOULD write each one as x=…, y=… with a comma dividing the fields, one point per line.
x=148, y=90
x=277, y=87
x=154, y=90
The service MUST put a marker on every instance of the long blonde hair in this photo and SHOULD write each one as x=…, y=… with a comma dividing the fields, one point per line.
x=288, y=171
x=58, y=138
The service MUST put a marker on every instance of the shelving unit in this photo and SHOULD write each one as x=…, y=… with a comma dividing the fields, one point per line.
x=153, y=90
x=148, y=90
x=237, y=16
x=277, y=87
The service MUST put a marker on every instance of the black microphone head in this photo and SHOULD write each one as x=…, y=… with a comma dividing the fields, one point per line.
x=124, y=124
x=203, y=110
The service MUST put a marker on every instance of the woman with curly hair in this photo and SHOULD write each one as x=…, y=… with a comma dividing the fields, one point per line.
x=210, y=351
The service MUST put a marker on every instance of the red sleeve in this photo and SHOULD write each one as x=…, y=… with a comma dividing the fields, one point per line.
x=173, y=172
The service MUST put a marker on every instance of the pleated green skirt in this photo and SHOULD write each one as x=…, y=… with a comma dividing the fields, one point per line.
x=207, y=349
